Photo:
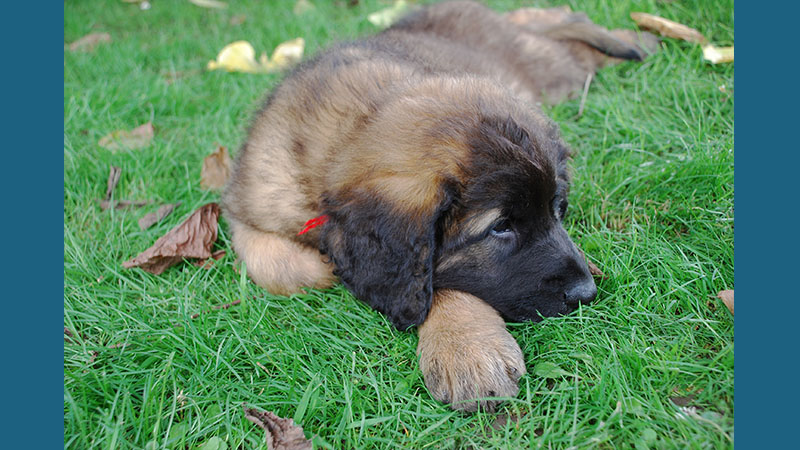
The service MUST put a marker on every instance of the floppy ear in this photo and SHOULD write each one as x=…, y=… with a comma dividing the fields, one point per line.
x=562, y=152
x=384, y=252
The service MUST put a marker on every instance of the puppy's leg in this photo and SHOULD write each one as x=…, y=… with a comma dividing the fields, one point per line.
x=278, y=264
x=607, y=46
x=466, y=353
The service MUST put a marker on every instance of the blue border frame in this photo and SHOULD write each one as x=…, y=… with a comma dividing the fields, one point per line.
x=766, y=249
x=33, y=220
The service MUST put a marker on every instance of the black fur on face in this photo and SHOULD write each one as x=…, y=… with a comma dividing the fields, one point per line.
x=503, y=239
x=497, y=236
x=383, y=258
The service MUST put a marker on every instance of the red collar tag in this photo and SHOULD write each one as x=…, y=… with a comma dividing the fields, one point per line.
x=313, y=223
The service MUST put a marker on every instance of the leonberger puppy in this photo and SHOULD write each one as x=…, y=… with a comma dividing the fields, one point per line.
x=416, y=167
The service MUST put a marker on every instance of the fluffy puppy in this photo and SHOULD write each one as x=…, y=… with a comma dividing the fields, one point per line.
x=437, y=184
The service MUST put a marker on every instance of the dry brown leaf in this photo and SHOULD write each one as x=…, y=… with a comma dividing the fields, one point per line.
x=208, y=262
x=191, y=239
x=216, y=169
x=150, y=219
x=280, y=433
x=89, y=42
x=727, y=297
x=114, y=174
x=595, y=271
x=682, y=400
x=122, y=204
x=113, y=178
x=128, y=140
x=668, y=28
x=717, y=55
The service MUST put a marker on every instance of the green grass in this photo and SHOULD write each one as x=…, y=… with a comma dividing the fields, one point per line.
x=652, y=205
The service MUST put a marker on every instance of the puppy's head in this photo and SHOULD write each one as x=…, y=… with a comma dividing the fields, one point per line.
x=504, y=240
x=458, y=195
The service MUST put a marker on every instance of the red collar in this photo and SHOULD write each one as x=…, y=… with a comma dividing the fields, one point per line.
x=313, y=223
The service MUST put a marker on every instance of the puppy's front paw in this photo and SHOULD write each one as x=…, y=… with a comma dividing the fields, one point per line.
x=466, y=354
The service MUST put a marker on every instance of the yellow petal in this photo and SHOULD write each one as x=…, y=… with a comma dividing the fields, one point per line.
x=238, y=56
x=209, y=4
x=388, y=16
x=288, y=53
x=668, y=28
x=718, y=55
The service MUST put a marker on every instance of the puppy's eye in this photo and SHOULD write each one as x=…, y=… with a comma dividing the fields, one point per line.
x=502, y=229
x=562, y=209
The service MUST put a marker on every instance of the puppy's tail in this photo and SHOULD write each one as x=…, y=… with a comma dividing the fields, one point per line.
x=596, y=37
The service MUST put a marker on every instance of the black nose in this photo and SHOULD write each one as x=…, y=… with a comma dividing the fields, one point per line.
x=582, y=292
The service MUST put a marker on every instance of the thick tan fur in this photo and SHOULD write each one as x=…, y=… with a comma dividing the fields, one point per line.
x=351, y=127
x=465, y=352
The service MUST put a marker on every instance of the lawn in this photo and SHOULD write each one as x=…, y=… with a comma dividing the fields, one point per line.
x=152, y=364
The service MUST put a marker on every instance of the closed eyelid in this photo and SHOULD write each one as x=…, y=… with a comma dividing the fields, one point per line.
x=478, y=224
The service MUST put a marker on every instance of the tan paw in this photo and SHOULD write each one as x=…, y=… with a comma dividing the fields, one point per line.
x=466, y=354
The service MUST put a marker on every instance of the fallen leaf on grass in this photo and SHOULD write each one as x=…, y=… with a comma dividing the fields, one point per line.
x=208, y=262
x=122, y=204
x=238, y=19
x=114, y=174
x=240, y=56
x=727, y=297
x=128, y=140
x=302, y=6
x=595, y=271
x=216, y=168
x=89, y=42
x=682, y=400
x=150, y=219
x=209, y=4
x=113, y=178
x=191, y=239
x=668, y=28
x=387, y=16
x=285, y=54
x=717, y=55
x=280, y=433
x=237, y=56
